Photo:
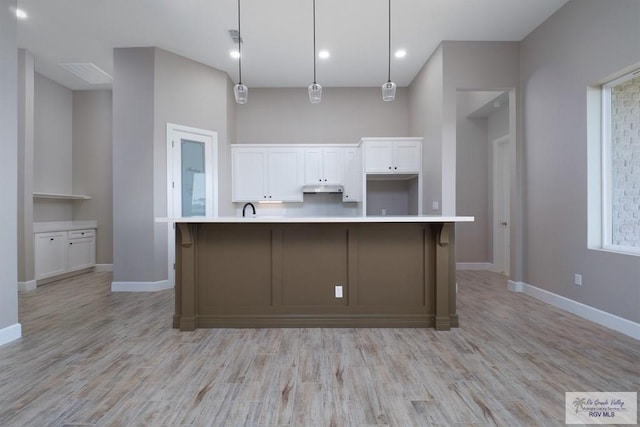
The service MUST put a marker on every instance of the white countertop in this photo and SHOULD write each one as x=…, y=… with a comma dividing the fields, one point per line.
x=48, y=226
x=321, y=220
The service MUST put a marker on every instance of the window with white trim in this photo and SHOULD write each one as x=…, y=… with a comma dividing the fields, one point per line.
x=621, y=164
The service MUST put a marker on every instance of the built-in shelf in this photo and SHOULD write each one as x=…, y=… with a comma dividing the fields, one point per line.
x=60, y=196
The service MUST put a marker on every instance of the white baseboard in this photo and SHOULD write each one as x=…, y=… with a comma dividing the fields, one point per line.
x=484, y=266
x=593, y=314
x=10, y=333
x=140, y=286
x=104, y=267
x=29, y=285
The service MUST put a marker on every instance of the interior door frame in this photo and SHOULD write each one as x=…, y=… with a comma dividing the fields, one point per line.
x=501, y=178
x=211, y=182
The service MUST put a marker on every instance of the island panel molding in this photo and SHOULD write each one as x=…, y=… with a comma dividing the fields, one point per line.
x=284, y=274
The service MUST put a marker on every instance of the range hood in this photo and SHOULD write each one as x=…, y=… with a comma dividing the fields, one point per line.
x=323, y=188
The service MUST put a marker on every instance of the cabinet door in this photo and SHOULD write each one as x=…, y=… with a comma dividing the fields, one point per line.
x=81, y=253
x=50, y=251
x=313, y=173
x=407, y=156
x=352, y=175
x=332, y=165
x=249, y=172
x=286, y=174
x=378, y=157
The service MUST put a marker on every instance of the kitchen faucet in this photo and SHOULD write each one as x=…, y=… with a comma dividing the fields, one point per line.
x=253, y=208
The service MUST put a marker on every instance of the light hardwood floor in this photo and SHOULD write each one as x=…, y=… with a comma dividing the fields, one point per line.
x=92, y=357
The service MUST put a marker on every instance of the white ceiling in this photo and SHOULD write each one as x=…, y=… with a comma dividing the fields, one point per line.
x=278, y=35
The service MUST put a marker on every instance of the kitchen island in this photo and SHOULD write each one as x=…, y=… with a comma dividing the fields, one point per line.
x=316, y=272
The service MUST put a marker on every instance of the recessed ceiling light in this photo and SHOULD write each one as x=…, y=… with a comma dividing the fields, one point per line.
x=324, y=54
x=235, y=54
x=401, y=53
x=21, y=13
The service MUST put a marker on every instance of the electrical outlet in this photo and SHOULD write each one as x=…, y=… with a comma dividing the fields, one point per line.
x=578, y=279
x=435, y=206
x=338, y=291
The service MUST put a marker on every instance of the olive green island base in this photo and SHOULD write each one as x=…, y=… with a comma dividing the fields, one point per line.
x=249, y=274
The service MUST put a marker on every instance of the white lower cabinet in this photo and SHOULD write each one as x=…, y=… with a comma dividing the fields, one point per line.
x=50, y=254
x=81, y=249
x=62, y=252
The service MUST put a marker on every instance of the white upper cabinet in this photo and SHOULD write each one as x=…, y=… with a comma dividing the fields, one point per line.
x=352, y=175
x=392, y=155
x=249, y=174
x=323, y=165
x=286, y=169
x=267, y=174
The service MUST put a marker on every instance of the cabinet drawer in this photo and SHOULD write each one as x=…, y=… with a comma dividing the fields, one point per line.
x=75, y=234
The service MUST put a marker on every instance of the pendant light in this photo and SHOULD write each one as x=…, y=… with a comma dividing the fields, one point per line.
x=240, y=91
x=315, y=90
x=389, y=88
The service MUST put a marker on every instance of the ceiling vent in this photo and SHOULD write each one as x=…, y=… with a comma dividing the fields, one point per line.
x=88, y=72
x=235, y=35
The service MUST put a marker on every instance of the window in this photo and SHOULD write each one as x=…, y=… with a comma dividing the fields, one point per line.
x=621, y=164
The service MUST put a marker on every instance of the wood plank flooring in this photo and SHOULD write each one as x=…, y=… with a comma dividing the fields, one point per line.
x=92, y=357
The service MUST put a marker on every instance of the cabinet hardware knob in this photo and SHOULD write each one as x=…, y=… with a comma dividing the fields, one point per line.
x=320, y=180
x=71, y=243
x=325, y=180
x=396, y=167
x=389, y=167
x=51, y=239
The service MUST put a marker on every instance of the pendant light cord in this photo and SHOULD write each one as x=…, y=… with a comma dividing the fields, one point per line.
x=314, y=41
x=239, y=48
x=389, y=75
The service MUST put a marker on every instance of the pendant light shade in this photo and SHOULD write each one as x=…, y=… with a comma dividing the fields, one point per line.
x=315, y=93
x=315, y=90
x=389, y=88
x=389, y=91
x=240, y=91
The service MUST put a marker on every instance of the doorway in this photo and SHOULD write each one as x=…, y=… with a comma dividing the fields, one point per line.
x=192, y=178
x=501, y=204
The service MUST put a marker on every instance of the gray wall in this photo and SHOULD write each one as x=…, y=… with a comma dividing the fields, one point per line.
x=498, y=125
x=133, y=144
x=345, y=115
x=92, y=165
x=191, y=94
x=425, y=120
x=583, y=44
x=25, y=165
x=153, y=87
x=473, y=241
x=8, y=164
x=52, y=148
x=470, y=66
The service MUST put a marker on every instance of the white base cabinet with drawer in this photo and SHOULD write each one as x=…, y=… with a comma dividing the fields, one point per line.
x=81, y=249
x=63, y=252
